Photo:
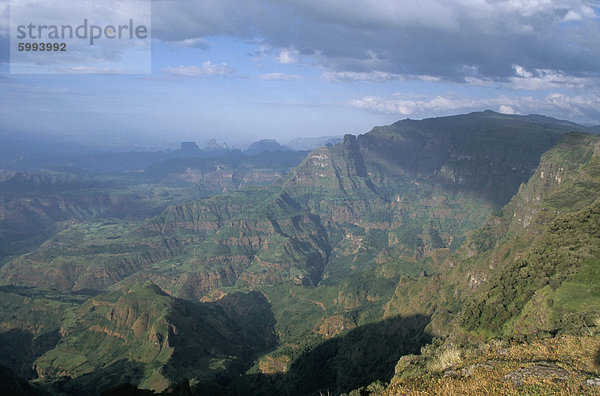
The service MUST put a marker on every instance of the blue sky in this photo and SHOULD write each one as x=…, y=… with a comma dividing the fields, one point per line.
x=240, y=70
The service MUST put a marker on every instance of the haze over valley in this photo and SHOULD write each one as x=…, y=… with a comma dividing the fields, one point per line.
x=300, y=197
x=273, y=270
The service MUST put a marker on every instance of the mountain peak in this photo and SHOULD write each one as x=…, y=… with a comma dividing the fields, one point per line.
x=265, y=145
x=147, y=287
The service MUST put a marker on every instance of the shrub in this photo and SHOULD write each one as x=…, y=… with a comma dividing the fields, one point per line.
x=448, y=358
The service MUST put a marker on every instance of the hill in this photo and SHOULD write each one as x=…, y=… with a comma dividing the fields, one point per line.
x=410, y=190
x=409, y=232
x=265, y=145
x=151, y=340
x=529, y=275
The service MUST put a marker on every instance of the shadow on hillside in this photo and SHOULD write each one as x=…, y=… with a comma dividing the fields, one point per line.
x=12, y=384
x=94, y=383
x=350, y=361
x=248, y=333
x=19, y=349
x=253, y=316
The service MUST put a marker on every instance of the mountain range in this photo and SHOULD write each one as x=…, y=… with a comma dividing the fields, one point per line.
x=370, y=262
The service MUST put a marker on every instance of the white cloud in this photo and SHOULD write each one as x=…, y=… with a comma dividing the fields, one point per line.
x=408, y=38
x=377, y=76
x=578, y=105
x=572, y=16
x=197, y=42
x=504, y=109
x=360, y=76
x=543, y=79
x=411, y=104
x=521, y=72
x=279, y=76
x=575, y=107
x=287, y=56
x=207, y=69
x=538, y=80
x=588, y=11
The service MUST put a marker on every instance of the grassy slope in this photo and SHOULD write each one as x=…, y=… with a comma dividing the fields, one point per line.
x=530, y=272
x=29, y=325
x=489, y=368
x=400, y=193
x=359, y=216
x=547, y=285
x=150, y=339
x=565, y=183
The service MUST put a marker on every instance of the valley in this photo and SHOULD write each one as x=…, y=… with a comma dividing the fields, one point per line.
x=339, y=270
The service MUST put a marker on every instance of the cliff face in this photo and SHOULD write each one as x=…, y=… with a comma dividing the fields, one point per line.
x=530, y=269
x=408, y=192
x=544, y=281
x=357, y=256
x=486, y=153
x=529, y=274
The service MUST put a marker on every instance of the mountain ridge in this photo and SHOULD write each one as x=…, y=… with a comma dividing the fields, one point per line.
x=410, y=221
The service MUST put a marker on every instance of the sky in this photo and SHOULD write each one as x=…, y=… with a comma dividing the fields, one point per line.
x=242, y=70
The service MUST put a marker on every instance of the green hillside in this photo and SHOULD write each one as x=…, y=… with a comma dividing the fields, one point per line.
x=440, y=231
x=528, y=275
x=407, y=192
x=547, y=282
x=153, y=340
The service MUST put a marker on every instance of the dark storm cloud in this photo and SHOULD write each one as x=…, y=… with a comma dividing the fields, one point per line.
x=451, y=39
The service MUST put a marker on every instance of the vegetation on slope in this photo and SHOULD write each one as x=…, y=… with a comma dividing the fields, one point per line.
x=358, y=249
x=548, y=283
x=530, y=274
x=566, y=365
x=152, y=340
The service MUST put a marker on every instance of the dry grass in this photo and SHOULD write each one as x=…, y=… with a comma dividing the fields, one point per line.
x=580, y=356
x=450, y=357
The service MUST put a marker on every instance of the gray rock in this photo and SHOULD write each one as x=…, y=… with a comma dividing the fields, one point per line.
x=592, y=382
x=538, y=371
x=452, y=373
x=469, y=370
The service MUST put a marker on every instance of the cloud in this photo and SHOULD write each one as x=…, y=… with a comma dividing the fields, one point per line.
x=197, y=42
x=207, y=69
x=360, y=76
x=585, y=107
x=287, y=56
x=90, y=70
x=577, y=106
x=572, y=16
x=279, y=76
x=539, y=80
x=504, y=109
x=456, y=40
x=418, y=104
x=377, y=76
x=521, y=72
